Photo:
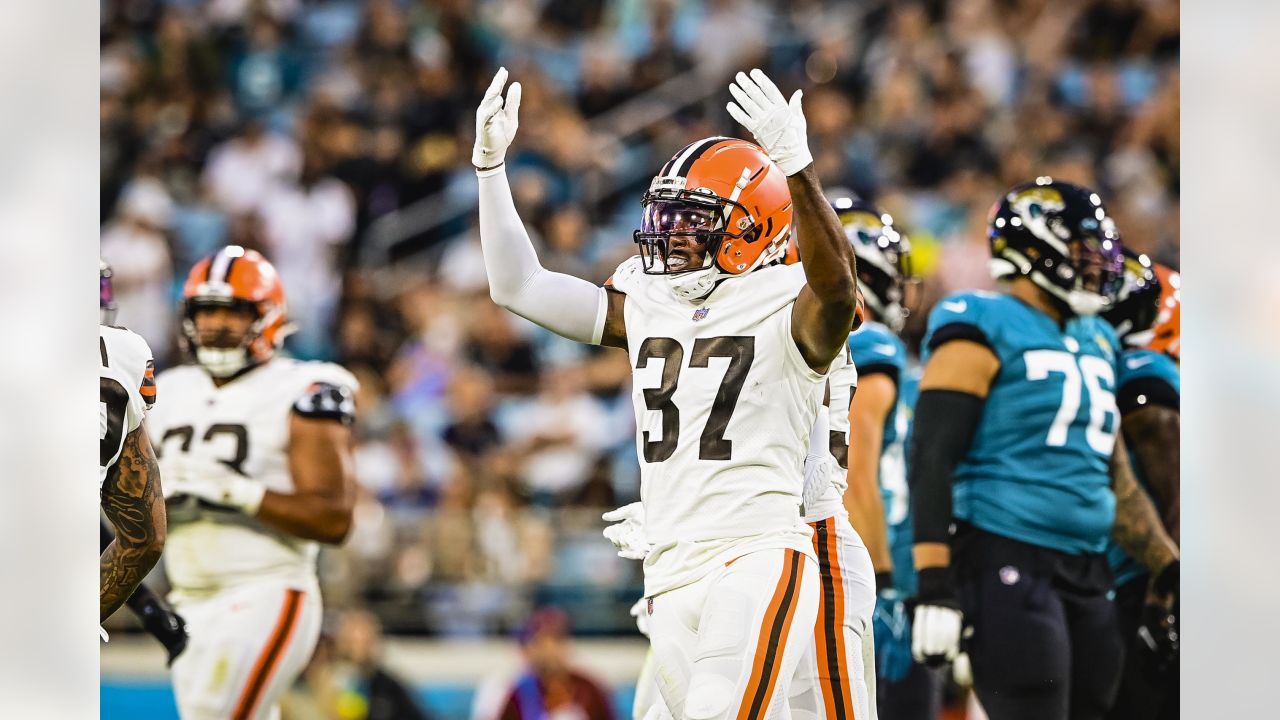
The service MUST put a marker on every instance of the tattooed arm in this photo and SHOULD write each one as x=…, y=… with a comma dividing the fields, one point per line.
x=1138, y=528
x=134, y=505
x=1151, y=432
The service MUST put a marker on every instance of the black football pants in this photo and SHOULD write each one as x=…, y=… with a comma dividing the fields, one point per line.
x=918, y=696
x=1042, y=647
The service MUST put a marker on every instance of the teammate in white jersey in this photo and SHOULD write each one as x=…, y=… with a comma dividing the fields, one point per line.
x=126, y=558
x=836, y=679
x=258, y=449
x=128, y=477
x=729, y=349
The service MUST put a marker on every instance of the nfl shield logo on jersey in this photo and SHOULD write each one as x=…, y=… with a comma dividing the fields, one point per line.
x=700, y=313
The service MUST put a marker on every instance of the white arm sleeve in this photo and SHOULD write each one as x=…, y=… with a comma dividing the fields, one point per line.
x=819, y=435
x=563, y=304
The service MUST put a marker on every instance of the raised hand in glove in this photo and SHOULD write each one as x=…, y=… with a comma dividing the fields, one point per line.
x=627, y=531
x=935, y=631
x=777, y=124
x=496, y=123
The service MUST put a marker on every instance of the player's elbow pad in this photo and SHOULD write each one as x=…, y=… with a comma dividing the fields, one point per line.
x=945, y=422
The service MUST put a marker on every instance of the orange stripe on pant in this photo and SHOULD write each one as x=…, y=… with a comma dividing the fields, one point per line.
x=270, y=657
x=772, y=641
x=832, y=651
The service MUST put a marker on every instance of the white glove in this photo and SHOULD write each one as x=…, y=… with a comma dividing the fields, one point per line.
x=640, y=611
x=627, y=531
x=227, y=490
x=102, y=633
x=778, y=125
x=935, y=633
x=496, y=123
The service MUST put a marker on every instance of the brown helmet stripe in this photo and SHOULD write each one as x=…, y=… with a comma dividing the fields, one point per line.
x=682, y=169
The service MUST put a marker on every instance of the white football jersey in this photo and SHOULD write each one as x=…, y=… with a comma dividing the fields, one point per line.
x=843, y=380
x=724, y=405
x=240, y=428
x=126, y=390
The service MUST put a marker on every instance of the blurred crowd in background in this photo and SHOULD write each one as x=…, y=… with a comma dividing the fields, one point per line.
x=334, y=136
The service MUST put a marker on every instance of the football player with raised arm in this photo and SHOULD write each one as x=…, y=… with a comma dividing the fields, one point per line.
x=1016, y=445
x=128, y=477
x=729, y=348
x=1148, y=389
x=837, y=673
x=258, y=449
x=156, y=617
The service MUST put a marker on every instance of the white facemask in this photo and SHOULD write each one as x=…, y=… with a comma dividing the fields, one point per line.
x=1085, y=304
x=223, y=362
x=1082, y=302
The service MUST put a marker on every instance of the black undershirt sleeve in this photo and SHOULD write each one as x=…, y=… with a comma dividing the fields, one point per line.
x=879, y=369
x=958, y=331
x=945, y=422
x=1146, y=391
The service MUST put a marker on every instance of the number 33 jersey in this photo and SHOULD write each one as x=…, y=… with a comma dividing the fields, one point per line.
x=724, y=405
x=1038, y=468
x=126, y=390
x=241, y=429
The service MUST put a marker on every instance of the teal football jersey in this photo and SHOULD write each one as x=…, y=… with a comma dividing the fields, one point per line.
x=901, y=536
x=1037, y=470
x=875, y=349
x=1139, y=368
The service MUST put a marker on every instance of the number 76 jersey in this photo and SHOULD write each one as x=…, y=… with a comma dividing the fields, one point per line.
x=239, y=429
x=724, y=406
x=1038, y=468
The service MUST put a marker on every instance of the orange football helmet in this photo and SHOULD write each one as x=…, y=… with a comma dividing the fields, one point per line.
x=236, y=277
x=1167, y=330
x=729, y=198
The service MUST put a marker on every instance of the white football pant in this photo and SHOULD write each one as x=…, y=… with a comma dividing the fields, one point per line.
x=728, y=645
x=836, y=679
x=247, y=646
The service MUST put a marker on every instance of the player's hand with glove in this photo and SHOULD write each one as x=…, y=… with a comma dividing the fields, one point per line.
x=935, y=631
x=214, y=484
x=778, y=124
x=166, y=626
x=496, y=123
x=640, y=611
x=627, y=531
x=1158, y=633
x=892, y=632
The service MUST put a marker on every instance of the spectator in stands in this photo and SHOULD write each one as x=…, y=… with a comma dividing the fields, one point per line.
x=370, y=685
x=550, y=687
